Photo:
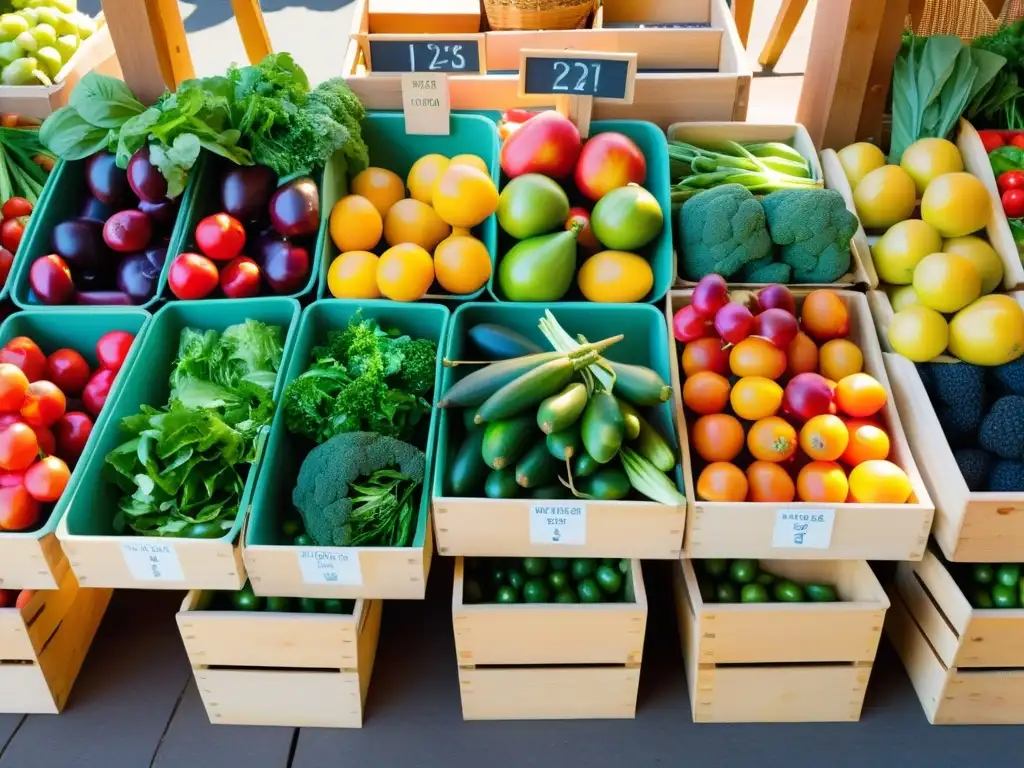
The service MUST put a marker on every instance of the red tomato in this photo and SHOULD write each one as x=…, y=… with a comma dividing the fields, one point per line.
x=220, y=237
x=1010, y=180
x=95, y=393
x=46, y=480
x=240, y=278
x=44, y=404
x=18, y=510
x=72, y=431
x=6, y=259
x=26, y=354
x=991, y=140
x=19, y=447
x=1018, y=141
x=15, y=207
x=24, y=598
x=47, y=442
x=112, y=349
x=1013, y=203
x=192, y=276
x=11, y=232
x=13, y=386
x=68, y=370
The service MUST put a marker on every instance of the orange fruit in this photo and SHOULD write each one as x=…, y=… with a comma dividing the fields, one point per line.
x=717, y=437
x=380, y=186
x=879, y=482
x=860, y=395
x=472, y=160
x=424, y=175
x=769, y=482
x=839, y=358
x=721, y=481
x=462, y=265
x=755, y=356
x=465, y=196
x=706, y=392
x=755, y=397
x=405, y=272
x=705, y=355
x=824, y=316
x=410, y=221
x=822, y=481
x=355, y=224
x=772, y=439
x=867, y=441
x=824, y=437
x=353, y=275
x=802, y=355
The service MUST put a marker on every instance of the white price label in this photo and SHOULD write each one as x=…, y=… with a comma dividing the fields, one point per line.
x=558, y=523
x=804, y=528
x=339, y=567
x=425, y=103
x=152, y=561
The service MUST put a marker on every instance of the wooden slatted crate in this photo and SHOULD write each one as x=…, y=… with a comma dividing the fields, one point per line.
x=966, y=664
x=289, y=669
x=549, y=661
x=781, y=662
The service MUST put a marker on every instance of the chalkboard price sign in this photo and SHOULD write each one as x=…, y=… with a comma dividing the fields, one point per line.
x=414, y=54
x=578, y=73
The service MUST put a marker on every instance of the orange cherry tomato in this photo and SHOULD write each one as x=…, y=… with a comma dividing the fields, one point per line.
x=717, y=437
x=706, y=392
x=824, y=438
x=19, y=447
x=860, y=395
x=44, y=404
x=772, y=439
x=705, y=354
x=822, y=481
x=47, y=478
x=721, y=481
x=18, y=510
x=13, y=386
x=769, y=482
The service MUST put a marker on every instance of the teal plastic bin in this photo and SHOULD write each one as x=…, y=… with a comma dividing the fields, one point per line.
x=659, y=252
x=68, y=178
x=51, y=183
x=392, y=148
x=271, y=561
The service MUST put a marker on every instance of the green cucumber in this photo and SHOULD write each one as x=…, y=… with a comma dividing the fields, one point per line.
x=500, y=343
x=475, y=388
x=648, y=441
x=527, y=390
x=630, y=418
x=467, y=470
x=469, y=420
x=639, y=385
x=536, y=468
x=564, y=444
x=821, y=593
x=562, y=410
x=602, y=427
x=505, y=441
x=553, y=491
x=607, y=484
x=501, y=484
x=584, y=465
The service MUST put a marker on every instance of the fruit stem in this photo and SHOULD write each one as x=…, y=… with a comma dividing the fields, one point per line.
x=570, y=486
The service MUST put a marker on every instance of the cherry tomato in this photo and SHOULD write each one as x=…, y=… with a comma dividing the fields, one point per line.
x=1010, y=180
x=68, y=370
x=95, y=393
x=13, y=387
x=6, y=259
x=9, y=479
x=72, y=431
x=50, y=278
x=26, y=354
x=1013, y=203
x=44, y=404
x=14, y=207
x=11, y=232
x=19, y=447
x=24, y=598
x=991, y=140
x=220, y=237
x=46, y=480
x=192, y=276
x=44, y=436
x=240, y=278
x=112, y=349
x=1018, y=141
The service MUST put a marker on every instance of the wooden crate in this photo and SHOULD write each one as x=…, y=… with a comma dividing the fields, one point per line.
x=42, y=646
x=970, y=527
x=860, y=531
x=835, y=178
x=781, y=662
x=30, y=560
x=549, y=661
x=966, y=664
x=289, y=669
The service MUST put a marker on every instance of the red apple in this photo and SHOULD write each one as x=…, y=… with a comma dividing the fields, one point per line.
x=777, y=325
x=734, y=322
x=777, y=297
x=808, y=395
x=710, y=295
x=689, y=326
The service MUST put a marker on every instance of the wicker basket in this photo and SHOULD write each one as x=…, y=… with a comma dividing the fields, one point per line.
x=537, y=14
x=968, y=19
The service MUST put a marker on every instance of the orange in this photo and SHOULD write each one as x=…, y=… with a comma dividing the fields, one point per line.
x=879, y=482
x=465, y=196
x=824, y=316
x=705, y=355
x=473, y=160
x=424, y=175
x=772, y=439
x=860, y=395
x=867, y=441
x=462, y=265
x=355, y=224
x=802, y=355
x=405, y=272
x=353, y=275
x=769, y=482
x=717, y=437
x=824, y=437
x=755, y=397
x=755, y=356
x=822, y=481
x=706, y=392
x=410, y=221
x=380, y=186
x=839, y=358
x=722, y=481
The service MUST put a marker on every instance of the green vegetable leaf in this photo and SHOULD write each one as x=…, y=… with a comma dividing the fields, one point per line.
x=133, y=135
x=1006, y=158
x=104, y=102
x=67, y=135
x=176, y=161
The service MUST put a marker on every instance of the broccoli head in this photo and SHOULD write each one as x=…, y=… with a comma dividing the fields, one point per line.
x=321, y=493
x=1007, y=476
x=1002, y=430
x=975, y=465
x=766, y=270
x=721, y=230
x=813, y=228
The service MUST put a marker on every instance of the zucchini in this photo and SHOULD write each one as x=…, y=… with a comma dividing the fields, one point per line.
x=553, y=491
x=505, y=441
x=469, y=420
x=649, y=442
x=639, y=385
x=497, y=342
x=602, y=427
x=472, y=390
x=562, y=410
x=537, y=467
x=630, y=418
x=467, y=470
x=527, y=390
x=607, y=484
x=565, y=444
x=501, y=484
x=584, y=465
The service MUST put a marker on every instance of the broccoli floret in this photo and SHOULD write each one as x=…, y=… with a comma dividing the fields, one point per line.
x=960, y=423
x=813, y=227
x=419, y=364
x=975, y=465
x=1007, y=476
x=1011, y=376
x=959, y=384
x=721, y=230
x=321, y=493
x=1002, y=430
x=766, y=270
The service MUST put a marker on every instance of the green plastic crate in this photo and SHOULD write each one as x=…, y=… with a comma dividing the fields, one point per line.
x=205, y=201
x=44, y=196
x=69, y=179
x=659, y=252
x=392, y=148
x=285, y=452
x=92, y=510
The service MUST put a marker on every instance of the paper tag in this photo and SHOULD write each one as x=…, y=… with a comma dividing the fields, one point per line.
x=425, y=103
x=558, y=523
x=804, y=528
x=152, y=561
x=339, y=567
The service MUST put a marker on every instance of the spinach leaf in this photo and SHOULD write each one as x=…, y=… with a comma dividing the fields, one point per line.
x=103, y=101
x=176, y=161
x=70, y=137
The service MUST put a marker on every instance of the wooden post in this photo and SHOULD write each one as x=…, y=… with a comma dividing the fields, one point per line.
x=785, y=22
x=743, y=12
x=252, y=28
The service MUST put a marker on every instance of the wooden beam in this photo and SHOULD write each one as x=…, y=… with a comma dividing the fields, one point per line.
x=743, y=12
x=782, y=30
x=252, y=28
x=149, y=38
x=880, y=77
